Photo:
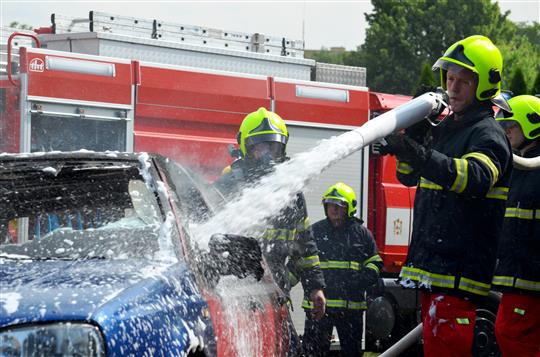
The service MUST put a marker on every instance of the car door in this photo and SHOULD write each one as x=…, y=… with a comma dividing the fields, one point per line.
x=250, y=316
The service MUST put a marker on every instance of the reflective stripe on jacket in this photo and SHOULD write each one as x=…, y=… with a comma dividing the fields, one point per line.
x=349, y=261
x=518, y=267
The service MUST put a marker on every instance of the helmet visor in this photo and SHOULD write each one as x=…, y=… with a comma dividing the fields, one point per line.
x=502, y=115
x=456, y=56
x=255, y=139
x=335, y=201
x=270, y=149
x=446, y=65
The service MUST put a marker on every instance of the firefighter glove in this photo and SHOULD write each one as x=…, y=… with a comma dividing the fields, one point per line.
x=419, y=132
x=408, y=150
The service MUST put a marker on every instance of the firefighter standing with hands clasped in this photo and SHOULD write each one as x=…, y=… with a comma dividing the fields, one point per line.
x=262, y=138
x=518, y=269
x=462, y=170
x=350, y=264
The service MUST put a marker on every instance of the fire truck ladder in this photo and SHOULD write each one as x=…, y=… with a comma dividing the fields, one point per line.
x=156, y=41
x=101, y=22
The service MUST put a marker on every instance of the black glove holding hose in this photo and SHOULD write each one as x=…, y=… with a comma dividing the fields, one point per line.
x=421, y=131
x=414, y=145
x=407, y=150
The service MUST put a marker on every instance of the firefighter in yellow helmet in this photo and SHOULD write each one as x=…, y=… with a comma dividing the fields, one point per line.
x=262, y=139
x=517, y=274
x=461, y=169
x=350, y=264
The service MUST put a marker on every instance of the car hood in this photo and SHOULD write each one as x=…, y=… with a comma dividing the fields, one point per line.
x=54, y=290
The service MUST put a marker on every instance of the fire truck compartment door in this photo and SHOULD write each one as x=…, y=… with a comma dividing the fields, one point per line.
x=73, y=101
x=321, y=103
x=192, y=115
x=64, y=76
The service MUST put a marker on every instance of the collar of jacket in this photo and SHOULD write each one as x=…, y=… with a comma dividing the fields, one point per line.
x=476, y=112
x=348, y=223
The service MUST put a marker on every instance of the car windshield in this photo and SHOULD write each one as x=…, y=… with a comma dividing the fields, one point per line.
x=75, y=209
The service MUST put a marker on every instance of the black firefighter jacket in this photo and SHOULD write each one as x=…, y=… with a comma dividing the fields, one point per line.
x=349, y=261
x=459, y=205
x=287, y=238
x=518, y=267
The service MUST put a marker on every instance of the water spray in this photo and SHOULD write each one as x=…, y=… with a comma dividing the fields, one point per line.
x=257, y=203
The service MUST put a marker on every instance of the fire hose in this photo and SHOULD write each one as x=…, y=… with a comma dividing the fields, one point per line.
x=405, y=116
x=401, y=346
x=527, y=164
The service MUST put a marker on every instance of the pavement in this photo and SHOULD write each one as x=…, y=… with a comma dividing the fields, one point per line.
x=298, y=315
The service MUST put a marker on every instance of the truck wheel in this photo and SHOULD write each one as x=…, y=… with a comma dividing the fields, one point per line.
x=485, y=343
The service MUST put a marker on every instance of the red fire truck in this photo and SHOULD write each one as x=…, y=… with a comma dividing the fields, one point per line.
x=110, y=82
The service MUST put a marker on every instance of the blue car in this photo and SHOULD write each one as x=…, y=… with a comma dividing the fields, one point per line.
x=97, y=258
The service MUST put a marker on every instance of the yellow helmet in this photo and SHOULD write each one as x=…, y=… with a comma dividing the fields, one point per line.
x=261, y=126
x=478, y=54
x=341, y=194
x=526, y=112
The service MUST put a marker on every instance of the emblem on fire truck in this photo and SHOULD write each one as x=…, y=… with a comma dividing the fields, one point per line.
x=36, y=65
x=398, y=227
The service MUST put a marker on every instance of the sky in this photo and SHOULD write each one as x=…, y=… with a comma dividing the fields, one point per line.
x=320, y=23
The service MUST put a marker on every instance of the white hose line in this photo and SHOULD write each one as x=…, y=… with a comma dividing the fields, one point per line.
x=407, y=341
x=527, y=164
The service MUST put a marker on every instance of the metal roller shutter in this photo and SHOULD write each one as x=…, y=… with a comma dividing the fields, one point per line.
x=348, y=170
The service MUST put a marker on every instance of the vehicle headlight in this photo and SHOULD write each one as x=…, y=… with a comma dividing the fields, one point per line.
x=59, y=339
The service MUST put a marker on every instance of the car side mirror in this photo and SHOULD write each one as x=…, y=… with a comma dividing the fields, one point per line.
x=232, y=254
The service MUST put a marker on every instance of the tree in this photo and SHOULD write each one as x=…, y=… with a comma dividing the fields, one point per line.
x=325, y=56
x=518, y=52
x=354, y=58
x=535, y=89
x=427, y=79
x=518, y=86
x=19, y=26
x=532, y=32
x=403, y=35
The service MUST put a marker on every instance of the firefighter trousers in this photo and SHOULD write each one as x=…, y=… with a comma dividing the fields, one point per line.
x=517, y=327
x=448, y=323
x=317, y=334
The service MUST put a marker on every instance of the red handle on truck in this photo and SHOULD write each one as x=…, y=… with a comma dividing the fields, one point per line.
x=14, y=34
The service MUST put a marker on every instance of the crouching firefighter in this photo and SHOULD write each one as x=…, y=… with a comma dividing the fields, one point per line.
x=350, y=264
x=517, y=275
x=262, y=139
